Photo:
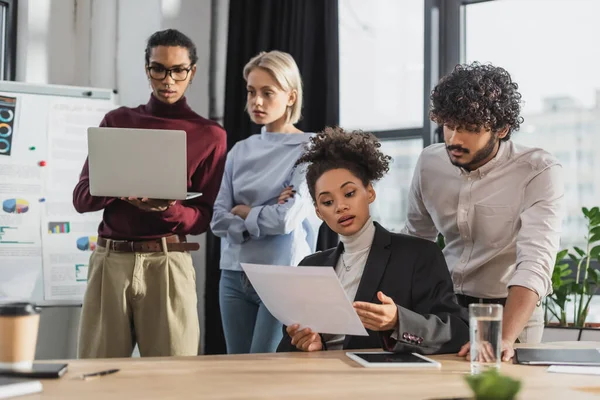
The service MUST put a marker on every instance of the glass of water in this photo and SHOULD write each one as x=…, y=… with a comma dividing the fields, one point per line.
x=485, y=324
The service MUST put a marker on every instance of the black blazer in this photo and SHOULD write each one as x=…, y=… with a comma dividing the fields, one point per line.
x=413, y=272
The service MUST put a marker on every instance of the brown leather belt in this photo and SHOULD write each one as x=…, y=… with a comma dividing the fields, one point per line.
x=174, y=243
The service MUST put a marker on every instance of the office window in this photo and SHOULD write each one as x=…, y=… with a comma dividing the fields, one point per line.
x=381, y=64
x=551, y=51
x=392, y=191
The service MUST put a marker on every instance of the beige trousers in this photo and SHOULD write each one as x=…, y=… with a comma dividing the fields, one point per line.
x=534, y=329
x=144, y=298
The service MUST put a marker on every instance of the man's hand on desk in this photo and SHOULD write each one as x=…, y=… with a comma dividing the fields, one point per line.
x=241, y=211
x=305, y=339
x=378, y=317
x=508, y=351
x=147, y=204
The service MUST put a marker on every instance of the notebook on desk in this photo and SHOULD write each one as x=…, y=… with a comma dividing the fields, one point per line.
x=13, y=387
x=558, y=356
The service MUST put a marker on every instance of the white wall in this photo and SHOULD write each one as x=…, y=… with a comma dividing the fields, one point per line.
x=67, y=42
x=192, y=17
x=100, y=43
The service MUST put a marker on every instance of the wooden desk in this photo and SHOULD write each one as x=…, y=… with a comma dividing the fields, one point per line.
x=324, y=375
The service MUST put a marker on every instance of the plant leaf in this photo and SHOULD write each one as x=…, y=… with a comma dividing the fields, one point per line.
x=595, y=252
x=573, y=258
x=562, y=254
x=594, y=238
x=565, y=271
x=577, y=288
x=585, y=211
x=595, y=230
x=579, y=251
x=593, y=212
x=594, y=275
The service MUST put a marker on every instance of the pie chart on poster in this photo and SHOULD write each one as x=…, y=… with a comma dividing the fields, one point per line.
x=15, y=206
x=87, y=243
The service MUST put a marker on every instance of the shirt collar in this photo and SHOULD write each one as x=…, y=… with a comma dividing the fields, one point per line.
x=499, y=159
x=285, y=138
x=176, y=110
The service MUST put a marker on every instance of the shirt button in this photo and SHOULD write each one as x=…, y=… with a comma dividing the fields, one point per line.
x=469, y=178
x=462, y=260
x=465, y=237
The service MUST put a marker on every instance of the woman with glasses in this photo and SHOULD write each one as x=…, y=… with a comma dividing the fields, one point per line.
x=263, y=212
x=141, y=283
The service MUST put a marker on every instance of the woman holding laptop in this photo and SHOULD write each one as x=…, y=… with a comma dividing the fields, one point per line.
x=263, y=212
x=400, y=285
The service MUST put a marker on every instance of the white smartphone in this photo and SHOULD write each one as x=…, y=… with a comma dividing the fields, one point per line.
x=384, y=359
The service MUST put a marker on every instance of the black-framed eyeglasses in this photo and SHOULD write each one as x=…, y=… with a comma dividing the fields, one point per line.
x=177, y=73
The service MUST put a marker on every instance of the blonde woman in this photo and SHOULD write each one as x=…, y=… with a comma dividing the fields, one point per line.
x=263, y=212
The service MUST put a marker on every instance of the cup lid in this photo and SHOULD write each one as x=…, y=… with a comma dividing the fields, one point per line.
x=18, y=309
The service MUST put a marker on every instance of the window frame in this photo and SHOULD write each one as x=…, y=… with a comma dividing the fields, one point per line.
x=443, y=49
x=9, y=55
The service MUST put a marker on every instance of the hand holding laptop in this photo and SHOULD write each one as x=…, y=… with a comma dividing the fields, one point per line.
x=147, y=204
x=137, y=164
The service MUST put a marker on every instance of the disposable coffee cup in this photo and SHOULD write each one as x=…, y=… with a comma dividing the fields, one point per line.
x=19, y=324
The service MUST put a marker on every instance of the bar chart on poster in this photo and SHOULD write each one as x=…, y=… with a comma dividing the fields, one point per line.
x=45, y=244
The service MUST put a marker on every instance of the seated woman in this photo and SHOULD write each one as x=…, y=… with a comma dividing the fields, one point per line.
x=400, y=284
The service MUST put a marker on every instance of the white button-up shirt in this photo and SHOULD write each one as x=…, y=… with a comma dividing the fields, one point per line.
x=501, y=222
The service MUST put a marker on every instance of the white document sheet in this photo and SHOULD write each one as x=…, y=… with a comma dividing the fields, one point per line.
x=309, y=296
x=568, y=369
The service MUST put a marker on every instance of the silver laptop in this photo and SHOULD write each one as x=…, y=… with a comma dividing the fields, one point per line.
x=138, y=163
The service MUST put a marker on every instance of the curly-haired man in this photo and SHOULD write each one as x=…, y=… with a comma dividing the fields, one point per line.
x=498, y=204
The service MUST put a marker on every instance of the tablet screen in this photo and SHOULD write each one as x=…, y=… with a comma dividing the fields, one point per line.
x=38, y=370
x=391, y=358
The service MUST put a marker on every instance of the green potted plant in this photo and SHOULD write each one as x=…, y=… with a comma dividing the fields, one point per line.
x=491, y=385
x=556, y=304
x=580, y=288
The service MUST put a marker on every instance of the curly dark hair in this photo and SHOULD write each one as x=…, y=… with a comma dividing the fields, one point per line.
x=476, y=96
x=334, y=148
x=171, y=37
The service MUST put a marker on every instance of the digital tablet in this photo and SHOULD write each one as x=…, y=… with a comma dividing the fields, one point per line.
x=38, y=370
x=588, y=357
x=394, y=360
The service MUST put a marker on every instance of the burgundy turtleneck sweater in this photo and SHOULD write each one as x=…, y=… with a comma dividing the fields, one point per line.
x=206, y=152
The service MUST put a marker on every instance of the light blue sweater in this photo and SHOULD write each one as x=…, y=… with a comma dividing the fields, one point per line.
x=256, y=172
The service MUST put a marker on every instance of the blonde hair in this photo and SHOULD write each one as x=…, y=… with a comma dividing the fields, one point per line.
x=284, y=70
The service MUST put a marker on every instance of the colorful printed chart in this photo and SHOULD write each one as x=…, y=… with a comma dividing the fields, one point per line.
x=59, y=227
x=15, y=206
x=81, y=272
x=87, y=243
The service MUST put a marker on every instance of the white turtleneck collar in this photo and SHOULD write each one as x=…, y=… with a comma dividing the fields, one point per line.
x=361, y=240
